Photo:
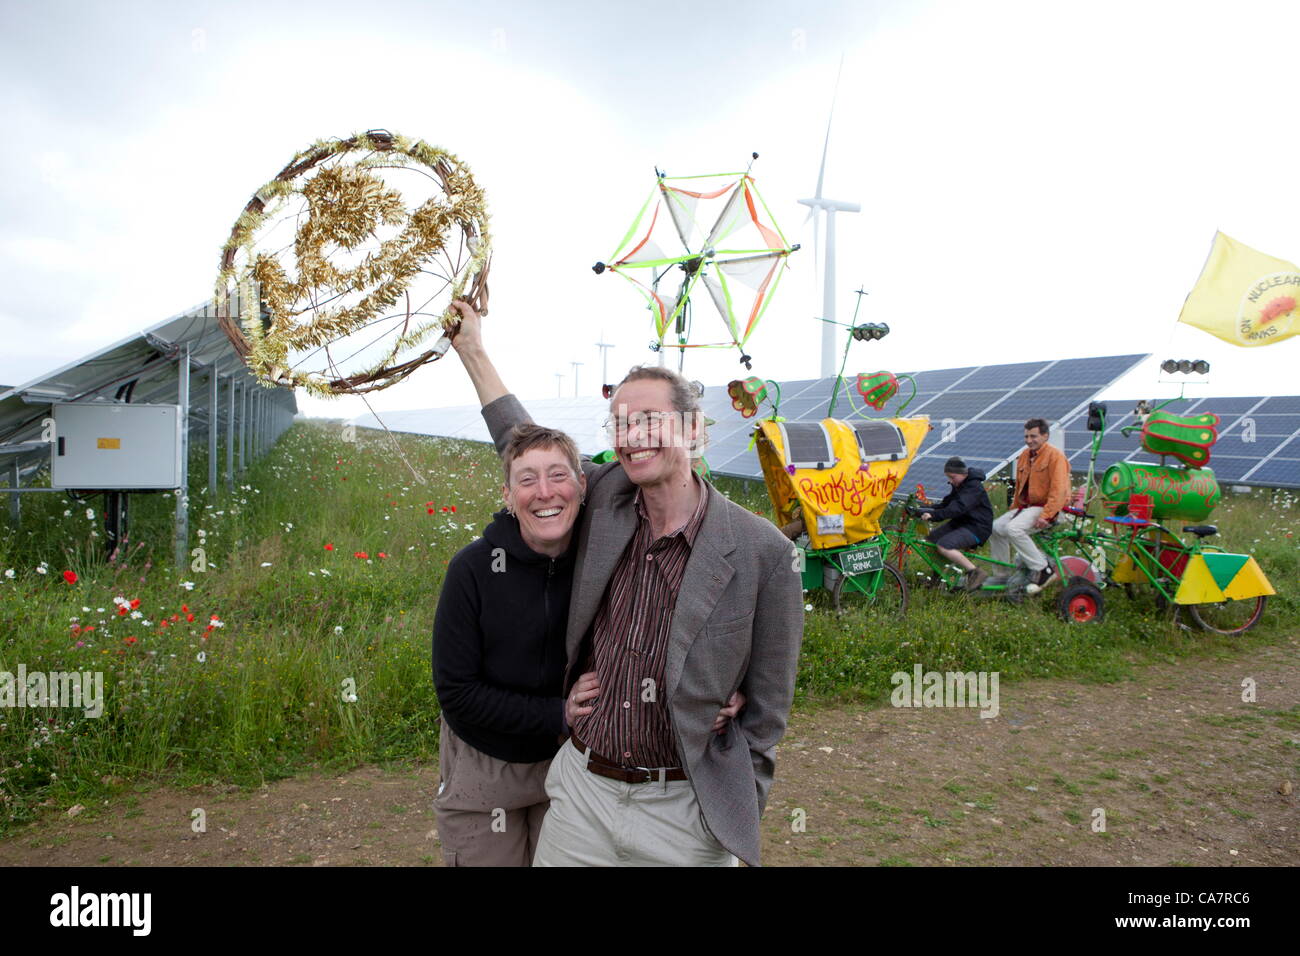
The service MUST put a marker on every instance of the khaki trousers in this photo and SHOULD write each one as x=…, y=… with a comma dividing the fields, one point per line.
x=596, y=821
x=489, y=811
x=1012, y=529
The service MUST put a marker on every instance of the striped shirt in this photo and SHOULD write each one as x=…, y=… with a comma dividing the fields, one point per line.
x=630, y=723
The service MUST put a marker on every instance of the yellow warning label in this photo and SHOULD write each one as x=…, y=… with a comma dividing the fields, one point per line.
x=109, y=443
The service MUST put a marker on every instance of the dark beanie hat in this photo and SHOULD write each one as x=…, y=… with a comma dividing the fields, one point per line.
x=954, y=466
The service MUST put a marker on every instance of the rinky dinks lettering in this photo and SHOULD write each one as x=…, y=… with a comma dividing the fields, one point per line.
x=852, y=496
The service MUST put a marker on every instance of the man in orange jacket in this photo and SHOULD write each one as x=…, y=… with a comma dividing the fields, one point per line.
x=1042, y=489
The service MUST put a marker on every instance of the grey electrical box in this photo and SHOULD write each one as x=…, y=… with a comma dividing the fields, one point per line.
x=111, y=446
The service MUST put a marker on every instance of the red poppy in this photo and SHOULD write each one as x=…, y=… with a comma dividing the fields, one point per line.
x=430, y=511
x=360, y=554
x=185, y=608
x=70, y=577
x=89, y=628
x=453, y=509
x=121, y=611
x=382, y=555
x=135, y=604
x=329, y=547
x=130, y=640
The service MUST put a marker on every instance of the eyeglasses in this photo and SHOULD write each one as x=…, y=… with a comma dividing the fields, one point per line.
x=618, y=427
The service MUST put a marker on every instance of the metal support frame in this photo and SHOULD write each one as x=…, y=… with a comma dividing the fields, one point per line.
x=182, y=538
x=230, y=435
x=15, y=499
x=213, y=420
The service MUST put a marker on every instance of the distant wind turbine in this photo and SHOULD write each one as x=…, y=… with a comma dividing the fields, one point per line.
x=831, y=206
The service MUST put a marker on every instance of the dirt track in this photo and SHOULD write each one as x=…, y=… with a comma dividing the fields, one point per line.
x=1185, y=772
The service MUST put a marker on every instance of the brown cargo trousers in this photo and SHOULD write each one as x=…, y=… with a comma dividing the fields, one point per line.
x=489, y=811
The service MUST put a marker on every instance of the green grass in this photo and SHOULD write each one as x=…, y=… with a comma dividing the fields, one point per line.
x=268, y=698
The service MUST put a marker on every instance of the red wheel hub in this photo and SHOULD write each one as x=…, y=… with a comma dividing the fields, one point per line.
x=1083, y=607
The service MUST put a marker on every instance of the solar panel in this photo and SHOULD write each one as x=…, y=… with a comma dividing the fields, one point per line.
x=929, y=474
x=1004, y=376
x=880, y=441
x=1225, y=467
x=1285, y=405
x=987, y=439
x=807, y=444
x=940, y=379
x=716, y=403
x=1227, y=406
x=799, y=409
x=812, y=386
x=1278, y=473
x=1049, y=403
x=1104, y=460
x=1088, y=371
x=959, y=394
x=1262, y=425
x=1264, y=446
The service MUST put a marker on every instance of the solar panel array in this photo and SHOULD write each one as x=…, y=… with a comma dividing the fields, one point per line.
x=187, y=354
x=1258, y=444
x=978, y=412
x=581, y=418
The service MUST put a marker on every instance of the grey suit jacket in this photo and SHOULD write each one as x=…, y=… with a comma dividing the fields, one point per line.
x=737, y=624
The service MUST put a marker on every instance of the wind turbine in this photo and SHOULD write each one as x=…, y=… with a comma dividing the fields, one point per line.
x=831, y=206
x=604, y=368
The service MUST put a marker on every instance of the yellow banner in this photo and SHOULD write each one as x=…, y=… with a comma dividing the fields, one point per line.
x=1243, y=296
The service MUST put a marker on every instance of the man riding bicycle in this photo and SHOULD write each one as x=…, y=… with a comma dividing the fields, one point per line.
x=968, y=519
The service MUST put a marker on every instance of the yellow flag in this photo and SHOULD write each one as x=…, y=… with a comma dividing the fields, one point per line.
x=1244, y=297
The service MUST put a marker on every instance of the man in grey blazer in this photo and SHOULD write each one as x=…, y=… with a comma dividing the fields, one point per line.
x=680, y=598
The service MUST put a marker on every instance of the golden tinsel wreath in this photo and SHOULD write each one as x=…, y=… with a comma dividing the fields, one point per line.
x=339, y=207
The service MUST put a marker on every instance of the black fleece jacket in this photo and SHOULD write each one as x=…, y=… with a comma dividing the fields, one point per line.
x=498, y=644
x=967, y=506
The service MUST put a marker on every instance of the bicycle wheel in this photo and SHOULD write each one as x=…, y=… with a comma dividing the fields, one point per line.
x=1229, y=617
x=1081, y=602
x=885, y=596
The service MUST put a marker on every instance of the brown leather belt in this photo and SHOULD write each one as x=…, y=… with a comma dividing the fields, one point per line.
x=604, y=767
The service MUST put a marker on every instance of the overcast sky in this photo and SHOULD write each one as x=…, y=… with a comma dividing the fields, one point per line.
x=1037, y=179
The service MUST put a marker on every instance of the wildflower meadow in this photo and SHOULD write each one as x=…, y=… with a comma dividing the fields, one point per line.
x=299, y=633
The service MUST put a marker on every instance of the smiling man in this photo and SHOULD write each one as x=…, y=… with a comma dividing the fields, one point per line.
x=1042, y=489
x=680, y=598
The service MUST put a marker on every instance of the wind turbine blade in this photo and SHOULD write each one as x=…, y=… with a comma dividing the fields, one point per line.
x=821, y=173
